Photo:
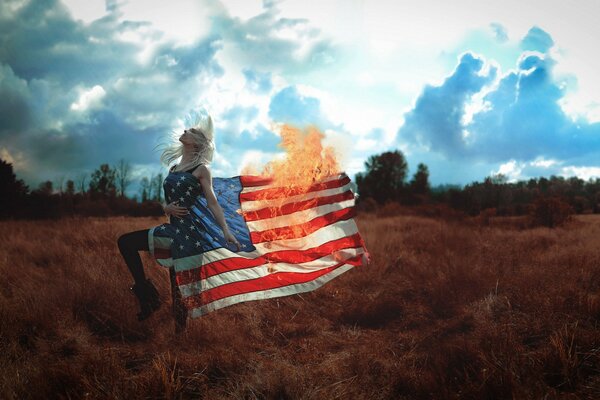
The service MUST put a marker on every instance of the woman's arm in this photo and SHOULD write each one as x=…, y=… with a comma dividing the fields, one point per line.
x=205, y=178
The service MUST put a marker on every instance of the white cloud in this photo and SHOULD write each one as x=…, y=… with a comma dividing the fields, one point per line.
x=541, y=162
x=86, y=11
x=255, y=160
x=89, y=99
x=584, y=173
x=243, y=9
x=511, y=169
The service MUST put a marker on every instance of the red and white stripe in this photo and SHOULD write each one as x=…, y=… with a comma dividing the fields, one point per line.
x=317, y=240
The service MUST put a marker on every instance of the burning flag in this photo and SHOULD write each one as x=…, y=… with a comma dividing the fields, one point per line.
x=294, y=223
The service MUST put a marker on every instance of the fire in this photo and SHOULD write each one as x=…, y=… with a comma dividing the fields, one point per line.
x=306, y=162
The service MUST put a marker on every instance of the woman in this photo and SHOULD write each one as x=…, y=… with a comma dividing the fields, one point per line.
x=196, y=150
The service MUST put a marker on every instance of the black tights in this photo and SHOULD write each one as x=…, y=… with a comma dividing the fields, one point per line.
x=129, y=245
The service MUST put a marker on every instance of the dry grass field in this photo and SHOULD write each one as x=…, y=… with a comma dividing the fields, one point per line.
x=447, y=309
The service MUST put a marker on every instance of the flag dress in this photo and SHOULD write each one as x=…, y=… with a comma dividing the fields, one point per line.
x=274, y=260
x=181, y=242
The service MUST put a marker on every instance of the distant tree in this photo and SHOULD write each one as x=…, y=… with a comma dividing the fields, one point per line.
x=12, y=190
x=60, y=181
x=70, y=188
x=144, y=188
x=81, y=178
x=122, y=176
x=157, y=182
x=419, y=184
x=103, y=181
x=384, y=177
x=46, y=188
x=497, y=179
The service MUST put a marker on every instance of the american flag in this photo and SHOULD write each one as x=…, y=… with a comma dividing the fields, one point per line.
x=293, y=241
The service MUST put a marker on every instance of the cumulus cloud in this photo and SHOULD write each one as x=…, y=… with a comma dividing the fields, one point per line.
x=519, y=118
x=435, y=120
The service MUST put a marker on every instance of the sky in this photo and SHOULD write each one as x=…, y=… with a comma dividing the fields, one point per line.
x=470, y=89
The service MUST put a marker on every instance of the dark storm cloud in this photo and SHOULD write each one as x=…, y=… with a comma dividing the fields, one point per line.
x=47, y=61
x=50, y=64
x=14, y=108
x=522, y=119
x=85, y=147
x=42, y=41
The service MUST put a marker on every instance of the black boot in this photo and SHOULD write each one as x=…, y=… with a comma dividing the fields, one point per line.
x=179, y=309
x=148, y=298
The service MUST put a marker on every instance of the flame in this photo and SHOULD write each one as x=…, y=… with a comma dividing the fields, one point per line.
x=306, y=162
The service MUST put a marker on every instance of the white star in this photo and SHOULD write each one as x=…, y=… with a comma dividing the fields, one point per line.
x=178, y=183
x=197, y=244
x=173, y=190
x=192, y=226
x=181, y=247
x=187, y=237
x=177, y=230
x=162, y=227
x=181, y=198
x=182, y=178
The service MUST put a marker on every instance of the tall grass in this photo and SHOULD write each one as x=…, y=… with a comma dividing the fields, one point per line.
x=447, y=309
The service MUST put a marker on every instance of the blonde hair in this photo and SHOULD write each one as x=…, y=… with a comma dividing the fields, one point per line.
x=201, y=128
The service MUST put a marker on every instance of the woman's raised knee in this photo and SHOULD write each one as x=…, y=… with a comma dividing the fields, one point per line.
x=122, y=241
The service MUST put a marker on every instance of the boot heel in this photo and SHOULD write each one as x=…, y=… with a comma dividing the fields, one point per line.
x=148, y=298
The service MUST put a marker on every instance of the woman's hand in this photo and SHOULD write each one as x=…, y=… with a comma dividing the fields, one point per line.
x=175, y=210
x=232, y=240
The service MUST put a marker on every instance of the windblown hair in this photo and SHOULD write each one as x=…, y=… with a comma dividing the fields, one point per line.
x=201, y=127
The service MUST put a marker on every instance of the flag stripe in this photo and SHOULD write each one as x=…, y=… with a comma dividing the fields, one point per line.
x=271, y=281
x=270, y=293
x=273, y=193
x=266, y=183
x=303, y=229
x=263, y=270
x=271, y=212
x=294, y=218
x=255, y=180
x=283, y=256
x=260, y=204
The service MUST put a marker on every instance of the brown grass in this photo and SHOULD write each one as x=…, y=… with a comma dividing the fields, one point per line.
x=446, y=310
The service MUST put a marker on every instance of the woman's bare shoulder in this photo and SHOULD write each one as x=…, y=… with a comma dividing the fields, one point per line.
x=202, y=171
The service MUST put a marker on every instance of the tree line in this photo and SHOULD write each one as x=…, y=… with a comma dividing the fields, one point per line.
x=101, y=193
x=385, y=182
